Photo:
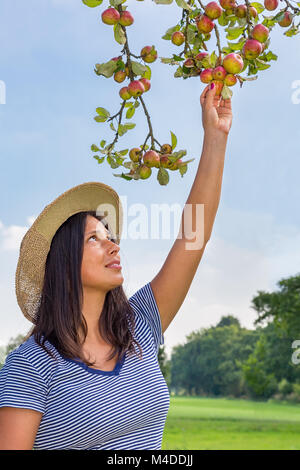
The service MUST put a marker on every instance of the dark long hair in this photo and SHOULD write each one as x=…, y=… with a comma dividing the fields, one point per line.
x=59, y=317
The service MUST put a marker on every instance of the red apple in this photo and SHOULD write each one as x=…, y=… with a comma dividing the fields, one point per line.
x=120, y=76
x=205, y=24
x=286, y=20
x=271, y=4
x=218, y=85
x=219, y=73
x=165, y=162
x=241, y=11
x=233, y=63
x=110, y=16
x=178, y=38
x=166, y=148
x=149, y=54
x=228, y=4
x=146, y=83
x=201, y=55
x=189, y=63
x=134, y=154
x=213, y=10
x=253, y=12
x=175, y=165
x=151, y=158
x=252, y=49
x=206, y=76
x=116, y=58
x=126, y=18
x=124, y=93
x=260, y=33
x=230, y=79
x=136, y=88
x=145, y=172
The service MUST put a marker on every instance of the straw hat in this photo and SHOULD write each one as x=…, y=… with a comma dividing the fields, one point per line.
x=36, y=242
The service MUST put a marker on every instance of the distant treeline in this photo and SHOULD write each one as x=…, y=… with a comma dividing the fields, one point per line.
x=228, y=360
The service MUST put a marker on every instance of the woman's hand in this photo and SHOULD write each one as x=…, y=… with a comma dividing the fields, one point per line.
x=216, y=112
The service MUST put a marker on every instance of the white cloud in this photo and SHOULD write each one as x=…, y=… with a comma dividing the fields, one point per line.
x=11, y=236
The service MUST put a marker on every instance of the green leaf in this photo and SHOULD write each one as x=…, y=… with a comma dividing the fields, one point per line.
x=173, y=140
x=130, y=112
x=147, y=73
x=100, y=118
x=121, y=130
x=163, y=2
x=292, y=31
x=129, y=125
x=271, y=56
x=92, y=3
x=223, y=20
x=124, y=152
x=183, y=4
x=107, y=69
x=115, y=3
x=112, y=127
x=268, y=21
x=119, y=34
x=103, y=112
x=138, y=68
x=213, y=59
x=226, y=50
x=112, y=162
x=279, y=16
x=234, y=33
x=261, y=64
x=183, y=169
x=94, y=148
x=226, y=92
x=99, y=160
x=236, y=46
x=179, y=72
x=122, y=175
x=102, y=143
x=258, y=6
x=242, y=21
x=163, y=176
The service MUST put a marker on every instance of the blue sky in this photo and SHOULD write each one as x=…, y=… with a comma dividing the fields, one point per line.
x=47, y=127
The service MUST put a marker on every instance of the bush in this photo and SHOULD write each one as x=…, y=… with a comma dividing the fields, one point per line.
x=285, y=387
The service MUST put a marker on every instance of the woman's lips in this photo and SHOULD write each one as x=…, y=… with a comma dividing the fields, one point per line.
x=114, y=266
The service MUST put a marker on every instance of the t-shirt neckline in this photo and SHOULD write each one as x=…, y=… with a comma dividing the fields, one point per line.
x=115, y=371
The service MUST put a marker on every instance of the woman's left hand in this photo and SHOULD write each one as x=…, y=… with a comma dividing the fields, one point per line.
x=216, y=112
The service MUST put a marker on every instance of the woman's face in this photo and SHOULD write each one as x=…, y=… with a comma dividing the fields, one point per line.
x=98, y=251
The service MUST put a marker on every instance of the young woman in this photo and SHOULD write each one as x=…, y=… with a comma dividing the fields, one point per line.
x=87, y=375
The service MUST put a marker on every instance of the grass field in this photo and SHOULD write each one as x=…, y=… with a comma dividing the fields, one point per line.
x=219, y=423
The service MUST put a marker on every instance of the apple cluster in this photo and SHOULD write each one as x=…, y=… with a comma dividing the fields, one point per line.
x=222, y=70
x=111, y=16
x=145, y=161
x=136, y=87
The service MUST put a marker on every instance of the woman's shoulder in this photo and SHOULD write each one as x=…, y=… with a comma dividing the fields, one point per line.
x=31, y=352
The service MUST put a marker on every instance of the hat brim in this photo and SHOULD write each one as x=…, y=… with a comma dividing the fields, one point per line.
x=36, y=242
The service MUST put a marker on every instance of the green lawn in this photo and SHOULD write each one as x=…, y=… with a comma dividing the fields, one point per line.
x=219, y=423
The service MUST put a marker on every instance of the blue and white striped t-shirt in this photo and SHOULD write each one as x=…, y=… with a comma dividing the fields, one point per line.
x=86, y=408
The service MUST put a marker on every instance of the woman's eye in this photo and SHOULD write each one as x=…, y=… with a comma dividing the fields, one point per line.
x=107, y=238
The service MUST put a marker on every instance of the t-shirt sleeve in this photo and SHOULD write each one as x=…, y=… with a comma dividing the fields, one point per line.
x=21, y=385
x=144, y=303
